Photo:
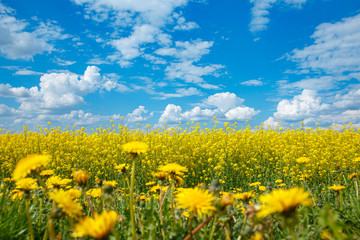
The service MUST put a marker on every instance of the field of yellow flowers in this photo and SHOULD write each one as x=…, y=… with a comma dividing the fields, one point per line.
x=184, y=182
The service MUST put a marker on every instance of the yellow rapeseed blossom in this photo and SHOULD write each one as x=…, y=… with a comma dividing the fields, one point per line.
x=198, y=201
x=283, y=201
x=25, y=166
x=135, y=147
x=302, y=160
x=98, y=227
x=65, y=201
x=81, y=177
x=336, y=188
x=173, y=169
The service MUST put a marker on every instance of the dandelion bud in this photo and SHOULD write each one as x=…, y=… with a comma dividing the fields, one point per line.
x=81, y=177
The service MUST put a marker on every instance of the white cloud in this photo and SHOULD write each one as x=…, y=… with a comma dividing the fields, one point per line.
x=224, y=101
x=62, y=62
x=336, y=48
x=191, y=73
x=171, y=114
x=221, y=105
x=270, y=123
x=305, y=105
x=27, y=72
x=350, y=100
x=6, y=90
x=139, y=115
x=181, y=92
x=241, y=114
x=18, y=43
x=184, y=51
x=253, y=82
x=181, y=23
x=260, y=12
x=6, y=111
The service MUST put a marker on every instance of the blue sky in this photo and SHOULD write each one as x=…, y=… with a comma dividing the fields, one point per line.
x=86, y=62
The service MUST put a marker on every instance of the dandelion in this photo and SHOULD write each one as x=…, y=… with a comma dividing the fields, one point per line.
x=31, y=163
x=66, y=203
x=245, y=196
x=81, y=177
x=255, y=184
x=57, y=182
x=111, y=183
x=135, y=147
x=336, y=188
x=262, y=188
x=46, y=173
x=283, y=201
x=94, y=192
x=195, y=200
x=173, y=169
x=26, y=184
x=98, y=227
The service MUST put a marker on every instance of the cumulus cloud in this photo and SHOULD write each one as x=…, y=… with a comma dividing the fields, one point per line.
x=224, y=101
x=336, y=48
x=307, y=104
x=18, y=43
x=226, y=106
x=139, y=115
x=241, y=113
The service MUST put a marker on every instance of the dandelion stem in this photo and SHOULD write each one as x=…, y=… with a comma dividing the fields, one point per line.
x=88, y=202
x=29, y=219
x=357, y=188
x=160, y=214
x=213, y=228
x=199, y=227
x=132, y=198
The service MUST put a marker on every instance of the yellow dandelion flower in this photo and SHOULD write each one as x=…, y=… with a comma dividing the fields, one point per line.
x=173, y=169
x=26, y=184
x=74, y=193
x=256, y=236
x=353, y=175
x=66, y=202
x=94, y=192
x=262, y=188
x=150, y=183
x=16, y=194
x=25, y=166
x=302, y=160
x=244, y=196
x=46, y=172
x=135, y=147
x=336, y=188
x=161, y=175
x=283, y=201
x=255, y=184
x=199, y=201
x=123, y=168
x=278, y=181
x=81, y=177
x=98, y=227
x=111, y=183
x=227, y=199
x=57, y=182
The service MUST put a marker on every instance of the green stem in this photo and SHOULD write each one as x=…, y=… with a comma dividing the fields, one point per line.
x=211, y=237
x=172, y=202
x=190, y=225
x=160, y=213
x=29, y=219
x=227, y=229
x=132, y=198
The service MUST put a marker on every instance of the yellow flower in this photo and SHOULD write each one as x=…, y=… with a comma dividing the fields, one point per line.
x=336, y=188
x=135, y=147
x=25, y=166
x=123, y=168
x=111, y=183
x=278, y=181
x=98, y=227
x=16, y=194
x=161, y=175
x=57, y=182
x=353, y=175
x=262, y=188
x=173, y=169
x=227, y=199
x=94, y=192
x=67, y=203
x=256, y=236
x=283, y=201
x=302, y=160
x=81, y=177
x=157, y=188
x=150, y=183
x=74, y=193
x=47, y=173
x=244, y=196
x=255, y=184
x=199, y=201
x=26, y=184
